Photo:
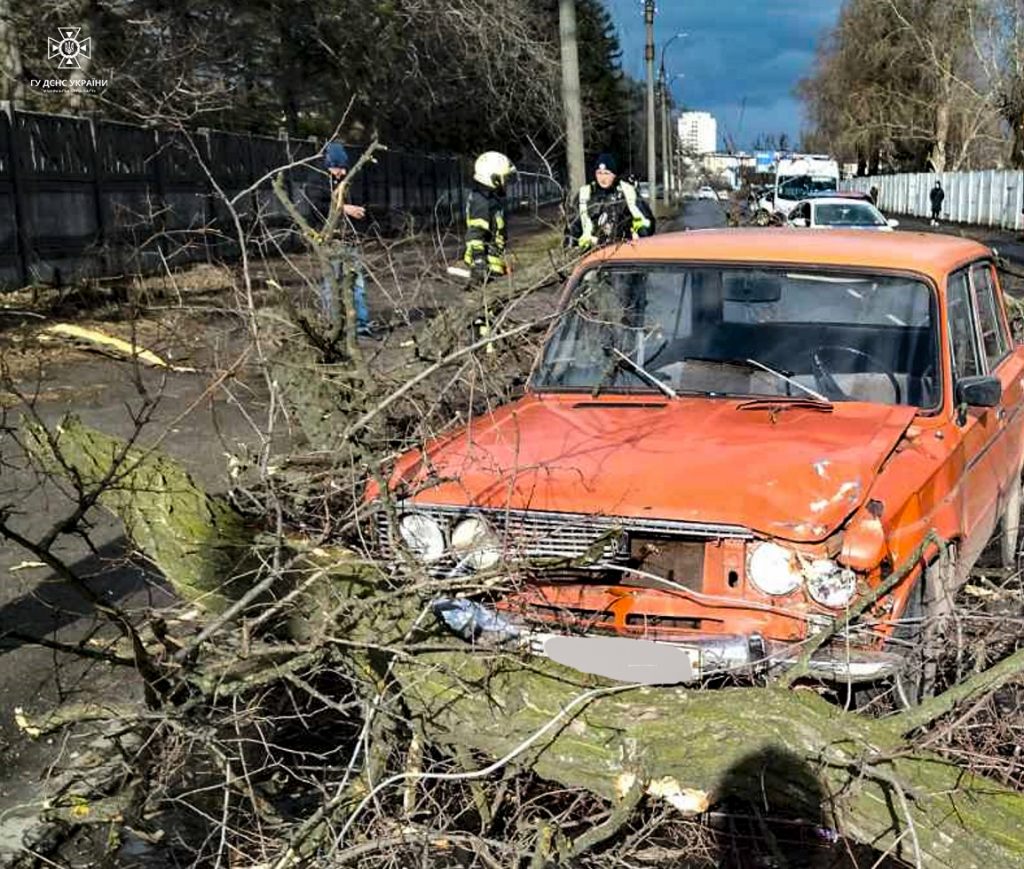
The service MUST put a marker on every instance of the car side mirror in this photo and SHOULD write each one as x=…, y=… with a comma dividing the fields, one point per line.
x=798, y=221
x=980, y=391
x=893, y=222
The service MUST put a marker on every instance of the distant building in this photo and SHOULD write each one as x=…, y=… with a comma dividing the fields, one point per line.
x=698, y=132
x=728, y=167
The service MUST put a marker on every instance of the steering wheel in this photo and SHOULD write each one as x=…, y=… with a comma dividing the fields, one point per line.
x=824, y=380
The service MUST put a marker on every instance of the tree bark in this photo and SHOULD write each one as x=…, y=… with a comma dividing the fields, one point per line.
x=11, y=86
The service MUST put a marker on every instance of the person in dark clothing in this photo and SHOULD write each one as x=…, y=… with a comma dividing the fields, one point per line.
x=937, y=195
x=486, y=231
x=608, y=209
x=336, y=162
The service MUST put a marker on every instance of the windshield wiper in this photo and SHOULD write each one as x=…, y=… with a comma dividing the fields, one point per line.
x=644, y=373
x=817, y=396
x=636, y=368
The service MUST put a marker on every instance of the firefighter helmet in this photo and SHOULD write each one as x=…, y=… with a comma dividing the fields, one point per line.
x=493, y=169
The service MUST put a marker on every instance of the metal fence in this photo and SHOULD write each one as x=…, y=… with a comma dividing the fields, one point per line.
x=993, y=197
x=83, y=198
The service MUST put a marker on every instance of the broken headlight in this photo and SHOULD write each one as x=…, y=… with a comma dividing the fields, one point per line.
x=773, y=569
x=475, y=543
x=830, y=584
x=422, y=535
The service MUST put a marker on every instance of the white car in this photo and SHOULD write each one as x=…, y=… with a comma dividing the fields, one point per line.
x=838, y=212
x=707, y=193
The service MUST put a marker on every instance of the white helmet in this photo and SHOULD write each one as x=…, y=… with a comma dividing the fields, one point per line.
x=493, y=169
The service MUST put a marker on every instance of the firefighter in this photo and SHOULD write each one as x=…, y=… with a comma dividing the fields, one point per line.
x=486, y=234
x=608, y=209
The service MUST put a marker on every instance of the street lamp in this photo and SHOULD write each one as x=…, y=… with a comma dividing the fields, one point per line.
x=666, y=148
x=669, y=135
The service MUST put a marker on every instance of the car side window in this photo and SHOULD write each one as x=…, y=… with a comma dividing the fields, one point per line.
x=963, y=340
x=993, y=333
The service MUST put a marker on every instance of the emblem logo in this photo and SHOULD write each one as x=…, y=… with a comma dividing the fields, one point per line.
x=69, y=47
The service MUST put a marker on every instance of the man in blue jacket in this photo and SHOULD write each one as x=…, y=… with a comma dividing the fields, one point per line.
x=336, y=162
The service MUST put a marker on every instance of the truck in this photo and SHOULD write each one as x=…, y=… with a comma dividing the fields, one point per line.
x=797, y=176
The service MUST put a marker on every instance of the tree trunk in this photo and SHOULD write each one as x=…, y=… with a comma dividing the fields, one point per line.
x=11, y=86
x=571, y=94
x=937, y=158
x=790, y=749
x=1017, y=150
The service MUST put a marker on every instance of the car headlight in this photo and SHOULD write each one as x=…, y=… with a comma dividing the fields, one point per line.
x=829, y=584
x=475, y=543
x=774, y=569
x=422, y=535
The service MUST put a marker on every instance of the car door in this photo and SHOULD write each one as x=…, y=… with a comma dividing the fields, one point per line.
x=977, y=427
x=1000, y=362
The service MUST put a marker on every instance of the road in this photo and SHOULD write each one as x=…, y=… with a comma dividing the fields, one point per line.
x=699, y=214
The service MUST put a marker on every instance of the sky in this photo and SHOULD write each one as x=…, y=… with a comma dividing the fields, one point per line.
x=735, y=49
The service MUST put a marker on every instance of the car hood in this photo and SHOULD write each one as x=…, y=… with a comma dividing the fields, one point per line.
x=795, y=473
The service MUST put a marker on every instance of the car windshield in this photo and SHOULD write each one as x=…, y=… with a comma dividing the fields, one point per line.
x=715, y=330
x=847, y=214
x=802, y=186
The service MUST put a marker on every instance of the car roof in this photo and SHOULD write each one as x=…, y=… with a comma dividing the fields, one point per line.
x=836, y=200
x=932, y=254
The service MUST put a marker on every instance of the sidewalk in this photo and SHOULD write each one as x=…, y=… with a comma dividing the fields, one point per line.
x=1007, y=242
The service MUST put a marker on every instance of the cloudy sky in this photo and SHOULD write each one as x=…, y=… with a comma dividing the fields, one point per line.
x=757, y=49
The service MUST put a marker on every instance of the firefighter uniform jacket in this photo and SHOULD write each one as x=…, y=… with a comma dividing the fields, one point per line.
x=607, y=215
x=485, y=230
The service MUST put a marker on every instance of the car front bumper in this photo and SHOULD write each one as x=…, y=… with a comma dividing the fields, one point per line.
x=706, y=655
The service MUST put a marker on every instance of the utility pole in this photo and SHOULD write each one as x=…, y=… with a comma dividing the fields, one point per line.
x=666, y=153
x=571, y=93
x=652, y=169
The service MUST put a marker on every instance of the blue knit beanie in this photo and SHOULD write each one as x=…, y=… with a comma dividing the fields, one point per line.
x=606, y=161
x=336, y=157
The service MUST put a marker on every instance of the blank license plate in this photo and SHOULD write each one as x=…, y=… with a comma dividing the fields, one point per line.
x=624, y=660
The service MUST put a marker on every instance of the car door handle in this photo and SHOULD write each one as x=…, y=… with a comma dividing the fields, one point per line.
x=1001, y=414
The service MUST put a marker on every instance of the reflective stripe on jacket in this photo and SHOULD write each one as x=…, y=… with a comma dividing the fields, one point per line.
x=486, y=234
x=610, y=214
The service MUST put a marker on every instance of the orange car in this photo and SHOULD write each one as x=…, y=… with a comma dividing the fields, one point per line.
x=729, y=441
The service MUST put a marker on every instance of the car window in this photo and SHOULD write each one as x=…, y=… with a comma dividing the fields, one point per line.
x=848, y=214
x=962, y=336
x=993, y=334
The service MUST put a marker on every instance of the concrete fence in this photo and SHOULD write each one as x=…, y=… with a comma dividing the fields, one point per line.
x=992, y=197
x=83, y=197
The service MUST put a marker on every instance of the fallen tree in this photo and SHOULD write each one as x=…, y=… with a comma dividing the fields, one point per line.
x=790, y=748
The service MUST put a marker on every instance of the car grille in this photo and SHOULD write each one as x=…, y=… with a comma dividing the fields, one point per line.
x=542, y=534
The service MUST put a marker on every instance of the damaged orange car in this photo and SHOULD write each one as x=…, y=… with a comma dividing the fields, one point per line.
x=730, y=440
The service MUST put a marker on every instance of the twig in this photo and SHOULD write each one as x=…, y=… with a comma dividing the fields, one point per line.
x=557, y=719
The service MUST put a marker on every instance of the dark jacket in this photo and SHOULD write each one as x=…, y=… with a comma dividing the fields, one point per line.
x=607, y=215
x=936, y=196
x=486, y=232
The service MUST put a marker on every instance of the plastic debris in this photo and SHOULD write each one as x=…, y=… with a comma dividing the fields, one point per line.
x=474, y=622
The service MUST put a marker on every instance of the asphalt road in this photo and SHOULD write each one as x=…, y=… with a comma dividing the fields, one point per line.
x=699, y=214
x=34, y=603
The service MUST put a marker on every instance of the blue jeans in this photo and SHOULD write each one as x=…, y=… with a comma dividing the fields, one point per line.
x=358, y=291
